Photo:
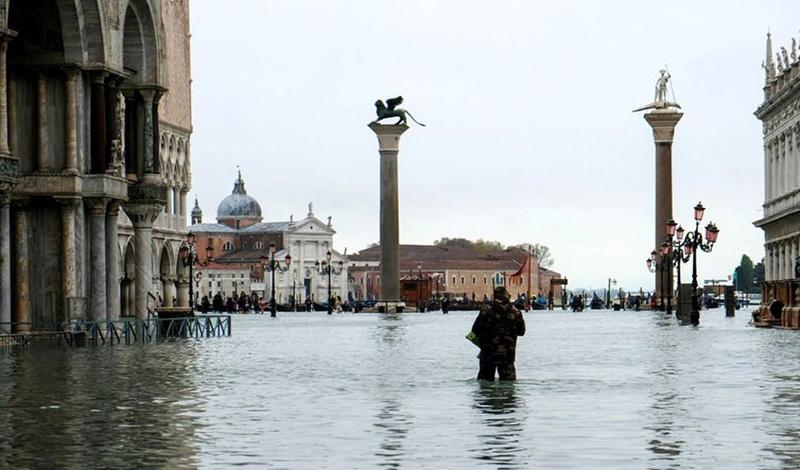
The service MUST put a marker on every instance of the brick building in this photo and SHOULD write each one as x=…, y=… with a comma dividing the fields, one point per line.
x=433, y=271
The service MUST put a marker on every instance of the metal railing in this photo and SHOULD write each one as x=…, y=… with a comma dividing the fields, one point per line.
x=128, y=331
x=149, y=330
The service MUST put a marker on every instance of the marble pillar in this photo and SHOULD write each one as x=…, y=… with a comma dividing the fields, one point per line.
x=767, y=262
x=5, y=255
x=389, y=147
x=69, y=275
x=5, y=147
x=97, y=258
x=663, y=122
x=169, y=290
x=98, y=125
x=183, y=292
x=149, y=145
x=113, y=297
x=71, y=122
x=42, y=153
x=21, y=268
x=143, y=215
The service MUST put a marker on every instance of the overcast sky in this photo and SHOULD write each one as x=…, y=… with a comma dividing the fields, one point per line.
x=530, y=133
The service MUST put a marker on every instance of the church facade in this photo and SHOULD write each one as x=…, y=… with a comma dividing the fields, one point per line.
x=95, y=125
x=239, y=241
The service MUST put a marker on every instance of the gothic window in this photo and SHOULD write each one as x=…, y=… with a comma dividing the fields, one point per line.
x=228, y=246
x=462, y=280
x=244, y=245
x=259, y=245
x=484, y=280
x=474, y=280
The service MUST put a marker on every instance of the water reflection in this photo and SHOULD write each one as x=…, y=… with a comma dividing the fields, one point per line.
x=666, y=399
x=393, y=426
x=62, y=404
x=502, y=412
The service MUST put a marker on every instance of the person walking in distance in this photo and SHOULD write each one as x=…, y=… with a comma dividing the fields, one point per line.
x=497, y=326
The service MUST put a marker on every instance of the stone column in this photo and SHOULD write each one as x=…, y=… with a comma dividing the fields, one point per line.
x=149, y=144
x=792, y=256
x=143, y=216
x=21, y=267
x=767, y=171
x=389, y=147
x=663, y=122
x=42, y=157
x=183, y=292
x=5, y=148
x=169, y=290
x=71, y=122
x=69, y=277
x=97, y=258
x=767, y=262
x=5, y=253
x=113, y=299
x=98, y=129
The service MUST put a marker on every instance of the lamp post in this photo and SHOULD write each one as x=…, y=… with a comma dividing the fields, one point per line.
x=189, y=258
x=679, y=252
x=326, y=267
x=695, y=241
x=268, y=263
x=420, y=306
x=608, y=292
x=294, y=283
x=659, y=262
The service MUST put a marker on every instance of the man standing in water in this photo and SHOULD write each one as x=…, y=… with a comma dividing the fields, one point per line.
x=496, y=328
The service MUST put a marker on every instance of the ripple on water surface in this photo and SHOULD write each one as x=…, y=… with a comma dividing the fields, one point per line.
x=306, y=390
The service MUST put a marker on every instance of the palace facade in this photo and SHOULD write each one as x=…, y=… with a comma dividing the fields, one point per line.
x=240, y=239
x=95, y=125
x=780, y=117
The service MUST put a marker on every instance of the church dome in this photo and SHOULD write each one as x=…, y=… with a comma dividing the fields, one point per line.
x=238, y=205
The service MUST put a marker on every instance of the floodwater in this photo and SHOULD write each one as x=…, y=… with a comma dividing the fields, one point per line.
x=597, y=389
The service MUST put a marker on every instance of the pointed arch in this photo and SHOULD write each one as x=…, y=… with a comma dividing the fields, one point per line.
x=140, y=43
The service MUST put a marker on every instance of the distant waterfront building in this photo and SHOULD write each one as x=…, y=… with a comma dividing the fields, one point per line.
x=780, y=116
x=453, y=271
x=95, y=122
x=239, y=239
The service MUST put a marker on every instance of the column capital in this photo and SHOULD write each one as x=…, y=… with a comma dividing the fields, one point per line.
x=663, y=123
x=114, y=205
x=96, y=205
x=68, y=201
x=99, y=77
x=388, y=136
x=142, y=215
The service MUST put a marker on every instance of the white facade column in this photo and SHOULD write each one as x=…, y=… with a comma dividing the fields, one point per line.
x=143, y=216
x=767, y=161
x=771, y=172
x=767, y=262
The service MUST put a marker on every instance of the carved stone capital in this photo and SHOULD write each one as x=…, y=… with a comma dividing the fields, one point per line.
x=114, y=205
x=70, y=202
x=142, y=215
x=96, y=205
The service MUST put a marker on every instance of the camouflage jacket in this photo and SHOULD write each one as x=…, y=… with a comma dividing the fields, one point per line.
x=497, y=327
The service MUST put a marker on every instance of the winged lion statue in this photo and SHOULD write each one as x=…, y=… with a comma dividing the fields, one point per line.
x=390, y=110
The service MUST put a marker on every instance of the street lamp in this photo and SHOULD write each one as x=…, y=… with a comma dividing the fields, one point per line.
x=326, y=267
x=679, y=252
x=658, y=262
x=189, y=258
x=269, y=264
x=695, y=241
x=420, y=305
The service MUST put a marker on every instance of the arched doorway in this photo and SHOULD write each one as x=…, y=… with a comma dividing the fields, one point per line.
x=167, y=277
x=128, y=286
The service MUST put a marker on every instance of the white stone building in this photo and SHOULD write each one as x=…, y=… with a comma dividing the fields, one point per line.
x=239, y=239
x=780, y=116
